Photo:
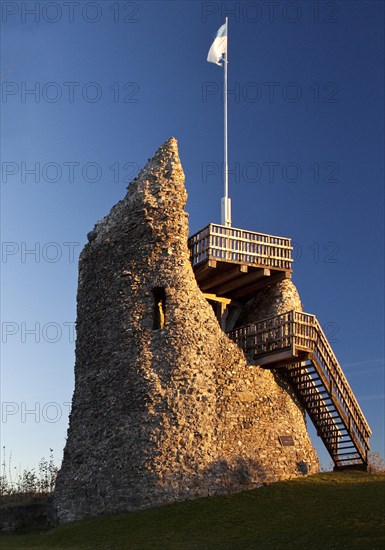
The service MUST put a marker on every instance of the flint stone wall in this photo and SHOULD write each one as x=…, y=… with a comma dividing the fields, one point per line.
x=176, y=413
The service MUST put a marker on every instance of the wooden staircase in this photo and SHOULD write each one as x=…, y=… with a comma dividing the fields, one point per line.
x=295, y=343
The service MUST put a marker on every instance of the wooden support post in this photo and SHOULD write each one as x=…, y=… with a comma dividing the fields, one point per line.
x=223, y=303
x=224, y=314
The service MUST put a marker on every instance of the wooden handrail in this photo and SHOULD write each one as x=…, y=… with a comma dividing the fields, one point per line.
x=237, y=245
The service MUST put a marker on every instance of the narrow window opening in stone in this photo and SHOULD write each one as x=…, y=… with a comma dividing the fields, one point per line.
x=159, y=294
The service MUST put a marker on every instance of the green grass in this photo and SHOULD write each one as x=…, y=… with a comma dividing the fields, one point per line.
x=330, y=510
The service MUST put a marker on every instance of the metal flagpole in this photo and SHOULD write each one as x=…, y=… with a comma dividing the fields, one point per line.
x=226, y=202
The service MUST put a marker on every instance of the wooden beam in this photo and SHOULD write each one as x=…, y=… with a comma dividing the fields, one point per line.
x=276, y=359
x=216, y=298
x=204, y=269
x=243, y=280
x=223, y=277
x=249, y=290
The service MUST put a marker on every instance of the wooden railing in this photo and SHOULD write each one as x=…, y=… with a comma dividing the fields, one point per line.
x=298, y=331
x=236, y=245
x=290, y=330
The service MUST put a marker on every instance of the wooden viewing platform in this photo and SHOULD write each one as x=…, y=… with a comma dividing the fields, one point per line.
x=296, y=343
x=234, y=263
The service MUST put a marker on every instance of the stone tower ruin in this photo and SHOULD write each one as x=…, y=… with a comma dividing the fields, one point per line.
x=166, y=407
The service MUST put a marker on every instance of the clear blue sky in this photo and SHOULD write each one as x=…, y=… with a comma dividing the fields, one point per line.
x=112, y=81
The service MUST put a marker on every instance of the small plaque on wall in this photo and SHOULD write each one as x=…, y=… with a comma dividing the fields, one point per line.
x=286, y=440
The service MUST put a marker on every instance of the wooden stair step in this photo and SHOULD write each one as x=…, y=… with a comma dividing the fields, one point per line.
x=351, y=453
x=349, y=459
x=317, y=391
x=332, y=426
x=304, y=379
x=314, y=401
x=321, y=407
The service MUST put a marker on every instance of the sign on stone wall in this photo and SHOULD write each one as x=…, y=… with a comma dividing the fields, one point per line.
x=286, y=440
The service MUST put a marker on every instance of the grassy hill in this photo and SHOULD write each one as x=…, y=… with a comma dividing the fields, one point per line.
x=330, y=510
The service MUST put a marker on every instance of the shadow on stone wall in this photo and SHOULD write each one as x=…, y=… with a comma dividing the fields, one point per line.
x=287, y=387
x=242, y=472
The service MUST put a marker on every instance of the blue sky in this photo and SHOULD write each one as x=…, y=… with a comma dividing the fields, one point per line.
x=91, y=89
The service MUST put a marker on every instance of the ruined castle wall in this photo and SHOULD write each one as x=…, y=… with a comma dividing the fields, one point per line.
x=161, y=414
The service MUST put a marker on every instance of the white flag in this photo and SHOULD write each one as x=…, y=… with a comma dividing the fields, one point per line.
x=218, y=47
